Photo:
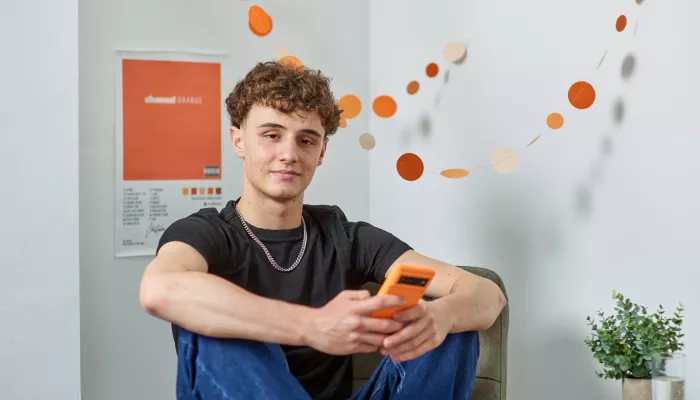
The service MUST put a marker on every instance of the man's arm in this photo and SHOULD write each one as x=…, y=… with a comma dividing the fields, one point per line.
x=471, y=302
x=176, y=287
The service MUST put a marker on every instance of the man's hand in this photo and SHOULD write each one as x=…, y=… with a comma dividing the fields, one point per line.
x=343, y=325
x=427, y=329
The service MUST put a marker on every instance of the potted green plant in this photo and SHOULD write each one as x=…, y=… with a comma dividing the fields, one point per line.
x=627, y=342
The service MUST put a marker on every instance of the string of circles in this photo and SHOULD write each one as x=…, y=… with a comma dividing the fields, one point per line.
x=410, y=166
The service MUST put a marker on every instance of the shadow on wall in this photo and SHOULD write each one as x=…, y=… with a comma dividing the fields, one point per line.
x=570, y=371
x=505, y=238
x=423, y=127
x=583, y=199
x=584, y=193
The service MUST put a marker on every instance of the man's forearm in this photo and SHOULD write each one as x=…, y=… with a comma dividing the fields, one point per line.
x=472, y=305
x=211, y=306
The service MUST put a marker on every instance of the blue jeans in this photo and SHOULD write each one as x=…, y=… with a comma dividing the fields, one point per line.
x=218, y=369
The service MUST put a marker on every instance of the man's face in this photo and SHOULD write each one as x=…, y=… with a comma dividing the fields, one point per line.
x=280, y=152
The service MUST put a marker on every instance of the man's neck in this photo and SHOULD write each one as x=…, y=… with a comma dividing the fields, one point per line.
x=269, y=214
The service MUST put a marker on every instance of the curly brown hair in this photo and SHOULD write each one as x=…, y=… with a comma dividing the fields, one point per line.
x=287, y=89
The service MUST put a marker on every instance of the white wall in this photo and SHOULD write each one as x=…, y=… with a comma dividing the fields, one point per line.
x=39, y=302
x=125, y=353
x=636, y=236
x=560, y=259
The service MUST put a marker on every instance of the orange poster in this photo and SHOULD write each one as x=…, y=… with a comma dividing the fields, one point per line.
x=169, y=131
x=171, y=120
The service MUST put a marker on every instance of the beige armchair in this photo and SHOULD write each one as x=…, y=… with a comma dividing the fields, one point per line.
x=491, y=374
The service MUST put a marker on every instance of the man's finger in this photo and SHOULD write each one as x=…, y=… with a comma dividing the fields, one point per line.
x=356, y=294
x=407, y=333
x=410, y=314
x=380, y=325
x=366, y=348
x=411, y=343
x=379, y=302
x=375, y=339
x=421, y=349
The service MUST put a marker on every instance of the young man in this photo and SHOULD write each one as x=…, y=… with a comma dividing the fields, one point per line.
x=264, y=297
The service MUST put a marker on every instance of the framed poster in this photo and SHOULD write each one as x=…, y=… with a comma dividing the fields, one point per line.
x=169, y=129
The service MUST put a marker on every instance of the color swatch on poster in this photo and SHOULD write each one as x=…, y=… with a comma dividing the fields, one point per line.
x=194, y=191
x=171, y=120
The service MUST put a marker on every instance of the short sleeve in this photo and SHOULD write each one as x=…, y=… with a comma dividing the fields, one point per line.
x=197, y=231
x=374, y=250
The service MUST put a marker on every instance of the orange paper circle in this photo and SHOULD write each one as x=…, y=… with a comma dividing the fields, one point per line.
x=555, y=120
x=259, y=22
x=252, y=29
x=409, y=166
x=384, y=106
x=581, y=95
x=454, y=173
x=351, y=106
x=432, y=70
x=413, y=87
x=621, y=23
x=292, y=62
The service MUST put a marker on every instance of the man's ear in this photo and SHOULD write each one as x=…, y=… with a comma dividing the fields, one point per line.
x=323, y=150
x=236, y=137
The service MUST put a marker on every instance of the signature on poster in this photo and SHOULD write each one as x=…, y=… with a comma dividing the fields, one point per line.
x=154, y=229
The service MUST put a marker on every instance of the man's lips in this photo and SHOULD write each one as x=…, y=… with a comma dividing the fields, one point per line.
x=285, y=172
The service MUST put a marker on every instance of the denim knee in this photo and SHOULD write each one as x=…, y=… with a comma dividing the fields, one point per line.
x=464, y=346
x=468, y=339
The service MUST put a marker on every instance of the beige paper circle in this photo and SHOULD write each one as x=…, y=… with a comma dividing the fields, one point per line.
x=455, y=52
x=281, y=51
x=367, y=141
x=504, y=161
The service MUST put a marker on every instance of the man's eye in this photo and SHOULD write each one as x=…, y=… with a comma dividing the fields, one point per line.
x=306, y=141
x=271, y=136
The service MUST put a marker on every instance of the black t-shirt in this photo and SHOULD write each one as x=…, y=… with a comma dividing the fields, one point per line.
x=339, y=255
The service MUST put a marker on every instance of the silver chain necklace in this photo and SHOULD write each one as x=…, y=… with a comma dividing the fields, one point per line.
x=267, y=252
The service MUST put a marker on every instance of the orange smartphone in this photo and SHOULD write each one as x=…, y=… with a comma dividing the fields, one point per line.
x=407, y=281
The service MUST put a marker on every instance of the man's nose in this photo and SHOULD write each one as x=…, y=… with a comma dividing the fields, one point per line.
x=288, y=151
